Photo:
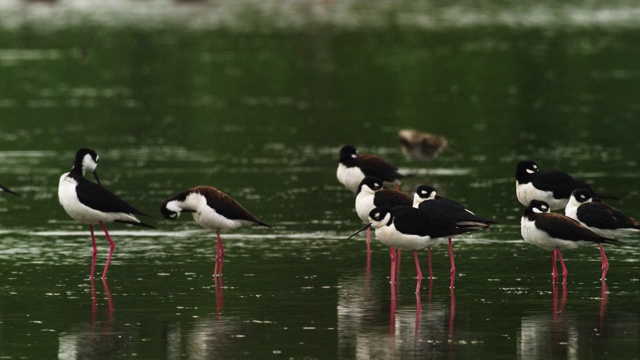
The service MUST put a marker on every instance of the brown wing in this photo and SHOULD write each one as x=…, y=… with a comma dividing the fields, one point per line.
x=562, y=227
x=225, y=205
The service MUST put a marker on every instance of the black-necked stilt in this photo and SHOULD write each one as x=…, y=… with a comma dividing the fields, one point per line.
x=352, y=168
x=552, y=187
x=554, y=232
x=426, y=199
x=421, y=146
x=602, y=219
x=408, y=228
x=213, y=210
x=372, y=194
x=5, y=189
x=90, y=203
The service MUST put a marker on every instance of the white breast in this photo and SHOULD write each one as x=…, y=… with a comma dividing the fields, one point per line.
x=541, y=239
x=364, y=205
x=350, y=177
x=527, y=192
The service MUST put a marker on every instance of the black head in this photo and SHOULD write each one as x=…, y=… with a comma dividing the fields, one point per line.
x=380, y=216
x=538, y=207
x=371, y=182
x=582, y=195
x=425, y=192
x=87, y=159
x=526, y=169
x=168, y=211
x=347, y=153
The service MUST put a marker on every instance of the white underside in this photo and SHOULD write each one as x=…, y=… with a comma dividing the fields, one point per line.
x=364, y=205
x=541, y=239
x=82, y=213
x=350, y=177
x=388, y=235
x=527, y=193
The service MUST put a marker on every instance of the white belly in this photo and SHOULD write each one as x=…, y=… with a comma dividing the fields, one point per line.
x=350, y=177
x=364, y=205
x=527, y=193
x=389, y=236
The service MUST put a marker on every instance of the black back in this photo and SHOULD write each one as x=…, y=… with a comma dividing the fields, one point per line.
x=410, y=220
x=602, y=216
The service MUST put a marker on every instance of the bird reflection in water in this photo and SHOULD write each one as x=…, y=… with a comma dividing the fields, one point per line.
x=99, y=340
x=563, y=335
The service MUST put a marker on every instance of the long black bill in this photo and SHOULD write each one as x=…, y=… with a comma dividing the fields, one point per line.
x=9, y=191
x=359, y=231
x=95, y=174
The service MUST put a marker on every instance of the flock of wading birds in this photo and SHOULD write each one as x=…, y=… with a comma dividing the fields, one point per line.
x=400, y=221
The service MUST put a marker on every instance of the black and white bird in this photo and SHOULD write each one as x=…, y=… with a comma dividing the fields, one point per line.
x=426, y=199
x=352, y=168
x=407, y=228
x=552, y=187
x=371, y=194
x=5, y=189
x=212, y=209
x=91, y=204
x=555, y=232
x=602, y=219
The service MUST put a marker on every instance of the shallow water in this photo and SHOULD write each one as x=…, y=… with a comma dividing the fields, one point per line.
x=256, y=100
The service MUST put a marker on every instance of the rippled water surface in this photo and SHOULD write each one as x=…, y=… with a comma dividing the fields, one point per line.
x=256, y=98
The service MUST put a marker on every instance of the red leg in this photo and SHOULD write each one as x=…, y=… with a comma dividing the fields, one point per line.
x=430, y=268
x=368, y=240
x=112, y=246
x=564, y=268
x=554, y=268
x=398, y=259
x=453, y=264
x=217, y=271
x=392, y=254
x=418, y=271
x=605, y=263
x=397, y=185
x=94, y=252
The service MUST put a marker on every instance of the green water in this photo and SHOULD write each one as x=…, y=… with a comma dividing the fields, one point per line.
x=256, y=100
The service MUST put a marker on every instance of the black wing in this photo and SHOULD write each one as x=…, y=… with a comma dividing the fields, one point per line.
x=374, y=166
x=565, y=228
x=391, y=198
x=603, y=216
x=409, y=220
x=99, y=198
x=227, y=206
x=452, y=210
x=558, y=182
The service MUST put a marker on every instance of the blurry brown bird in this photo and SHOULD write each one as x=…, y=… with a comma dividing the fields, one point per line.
x=421, y=146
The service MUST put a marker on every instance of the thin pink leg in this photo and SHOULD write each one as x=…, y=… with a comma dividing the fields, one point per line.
x=397, y=185
x=554, y=268
x=418, y=271
x=453, y=264
x=368, y=240
x=605, y=263
x=430, y=268
x=392, y=254
x=217, y=271
x=564, y=268
x=112, y=246
x=398, y=259
x=94, y=252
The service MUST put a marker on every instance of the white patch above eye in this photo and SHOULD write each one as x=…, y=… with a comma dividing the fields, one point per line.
x=529, y=171
x=538, y=211
x=376, y=215
x=97, y=158
x=377, y=185
x=354, y=156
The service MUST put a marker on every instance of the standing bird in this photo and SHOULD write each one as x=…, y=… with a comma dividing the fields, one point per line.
x=5, y=189
x=554, y=232
x=426, y=199
x=372, y=194
x=408, y=228
x=352, y=168
x=421, y=146
x=600, y=218
x=90, y=203
x=213, y=210
x=552, y=187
